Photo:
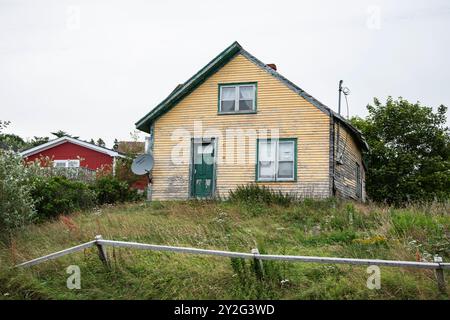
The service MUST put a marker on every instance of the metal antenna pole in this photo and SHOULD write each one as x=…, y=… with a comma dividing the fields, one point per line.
x=340, y=91
x=339, y=112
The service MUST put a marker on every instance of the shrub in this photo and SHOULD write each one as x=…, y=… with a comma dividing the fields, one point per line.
x=111, y=190
x=58, y=195
x=16, y=202
x=253, y=193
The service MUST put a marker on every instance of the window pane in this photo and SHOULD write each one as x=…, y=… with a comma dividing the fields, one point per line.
x=228, y=93
x=246, y=93
x=266, y=150
x=286, y=170
x=206, y=148
x=59, y=164
x=227, y=106
x=266, y=158
x=358, y=181
x=73, y=163
x=267, y=170
x=246, y=97
x=245, y=104
x=198, y=158
x=286, y=151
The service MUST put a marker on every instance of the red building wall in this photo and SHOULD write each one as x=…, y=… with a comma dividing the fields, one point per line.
x=90, y=158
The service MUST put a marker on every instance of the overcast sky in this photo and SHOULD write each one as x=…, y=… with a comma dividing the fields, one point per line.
x=93, y=68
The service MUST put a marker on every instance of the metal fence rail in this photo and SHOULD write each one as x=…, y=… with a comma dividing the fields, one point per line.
x=57, y=254
x=438, y=266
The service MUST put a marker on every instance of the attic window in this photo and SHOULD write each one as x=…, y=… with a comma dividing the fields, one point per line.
x=237, y=98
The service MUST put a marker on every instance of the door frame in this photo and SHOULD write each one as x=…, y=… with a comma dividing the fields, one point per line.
x=195, y=141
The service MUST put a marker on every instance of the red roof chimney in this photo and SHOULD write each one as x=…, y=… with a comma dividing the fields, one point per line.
x=273, y=66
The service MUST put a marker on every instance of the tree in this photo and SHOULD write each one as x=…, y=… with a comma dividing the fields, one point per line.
x=16, y=202
x=36, y=141
x=3, y=125
x=12, y=142
x=409, y=157
x=101, y=143
x=61, y=133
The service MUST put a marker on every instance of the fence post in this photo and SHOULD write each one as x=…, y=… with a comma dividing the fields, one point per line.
x=101, y=251
x=259, y=267
x=440, y=276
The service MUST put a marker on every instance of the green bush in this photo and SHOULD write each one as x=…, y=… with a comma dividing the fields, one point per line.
x=253, y=193
x=111, y=190
x=58, y=195
x=16, y=202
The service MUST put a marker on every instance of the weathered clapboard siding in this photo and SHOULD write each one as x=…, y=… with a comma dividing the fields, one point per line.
x=345, y=174
x=278, y=107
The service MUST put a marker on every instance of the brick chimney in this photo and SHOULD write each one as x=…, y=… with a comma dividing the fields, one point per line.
x=273, y=66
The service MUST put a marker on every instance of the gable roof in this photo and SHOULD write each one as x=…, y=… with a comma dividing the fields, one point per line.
x=213, y=66
x=56, y=142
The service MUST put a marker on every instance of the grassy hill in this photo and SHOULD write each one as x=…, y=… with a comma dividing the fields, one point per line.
x=321, y=228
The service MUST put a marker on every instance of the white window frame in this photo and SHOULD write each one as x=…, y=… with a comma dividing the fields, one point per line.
x=276, y=178
x=66, y=163
x=236, y=97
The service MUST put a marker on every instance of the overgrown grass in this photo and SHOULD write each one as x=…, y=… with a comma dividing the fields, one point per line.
x=308, y=227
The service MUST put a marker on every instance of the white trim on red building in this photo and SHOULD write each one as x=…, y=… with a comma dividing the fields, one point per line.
x=56, y=142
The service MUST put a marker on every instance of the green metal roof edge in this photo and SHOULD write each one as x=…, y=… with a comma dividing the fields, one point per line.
x=198, y=78
x=218, y=62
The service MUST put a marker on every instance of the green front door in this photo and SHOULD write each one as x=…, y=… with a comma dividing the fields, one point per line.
x=203, y=169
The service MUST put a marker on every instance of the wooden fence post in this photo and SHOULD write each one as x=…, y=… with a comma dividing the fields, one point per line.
x=440, y=276
x=101, y=251
x=259, y=267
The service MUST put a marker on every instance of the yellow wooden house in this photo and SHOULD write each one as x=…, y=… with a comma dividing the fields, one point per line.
x=238, y=121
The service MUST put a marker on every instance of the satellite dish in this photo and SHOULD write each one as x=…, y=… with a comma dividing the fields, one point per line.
x=142, y=164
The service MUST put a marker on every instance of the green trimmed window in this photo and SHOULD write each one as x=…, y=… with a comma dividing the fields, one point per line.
x=237, y=98
x=276, y=159
x=358, y=180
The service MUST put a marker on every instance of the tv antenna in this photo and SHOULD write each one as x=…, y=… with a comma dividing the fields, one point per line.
x=339, y=153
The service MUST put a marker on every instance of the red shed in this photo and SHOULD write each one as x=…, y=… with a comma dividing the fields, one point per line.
x=71, y=152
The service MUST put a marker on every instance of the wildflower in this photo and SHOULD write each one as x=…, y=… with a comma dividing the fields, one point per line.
x=284, y=281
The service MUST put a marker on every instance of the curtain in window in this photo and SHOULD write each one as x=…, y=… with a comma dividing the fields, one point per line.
x=246, y=96
x=267, y=157
x=246, y=93
x=228, y=93
x=228, y=99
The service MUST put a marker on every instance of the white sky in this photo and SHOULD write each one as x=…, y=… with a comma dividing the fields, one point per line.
x=94, y=67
